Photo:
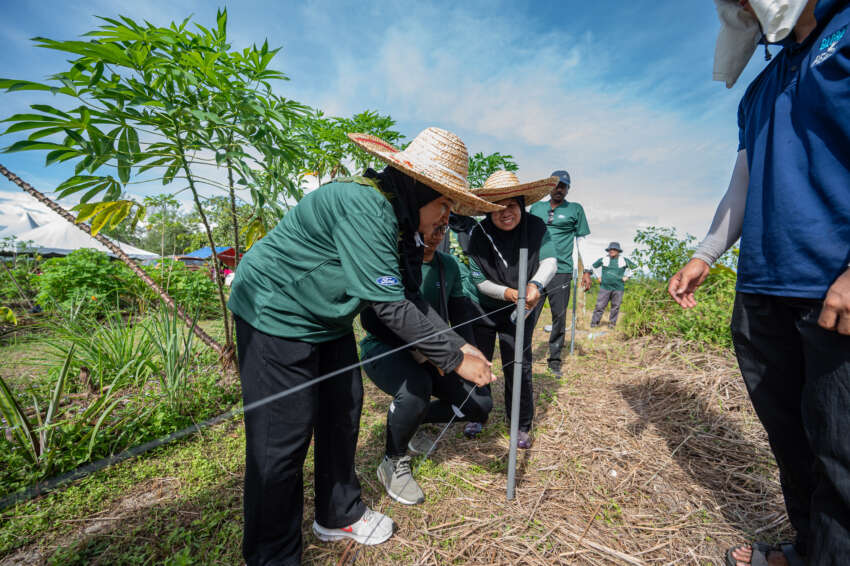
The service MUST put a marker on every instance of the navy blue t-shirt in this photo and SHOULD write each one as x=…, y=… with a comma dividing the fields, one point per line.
x=794, y=122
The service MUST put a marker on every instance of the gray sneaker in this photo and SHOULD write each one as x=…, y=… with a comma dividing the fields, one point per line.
x=398, y=480
x=420, y=444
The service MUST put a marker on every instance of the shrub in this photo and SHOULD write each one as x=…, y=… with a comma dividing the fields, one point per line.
x=90, y=278
x=84, y=276
x=193, y=290
x=23, y=272
x=648, y=309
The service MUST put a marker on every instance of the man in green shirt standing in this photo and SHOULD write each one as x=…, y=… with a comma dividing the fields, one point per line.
x=566, y=224
x=616, y=271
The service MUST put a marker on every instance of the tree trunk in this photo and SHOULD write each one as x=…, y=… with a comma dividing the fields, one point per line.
x=225, y=356
x=228, y=336
x=233, y=214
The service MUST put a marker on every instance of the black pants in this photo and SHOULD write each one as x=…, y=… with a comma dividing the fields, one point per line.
x=485, y=337
x=606, y=296
x=411, y=385
x=558, y=291
x=278, y=435
x=798, y=377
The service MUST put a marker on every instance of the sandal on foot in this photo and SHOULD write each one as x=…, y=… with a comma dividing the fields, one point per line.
x=762, y=550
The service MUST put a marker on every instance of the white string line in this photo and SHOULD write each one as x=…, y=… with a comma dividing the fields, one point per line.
x=87, y=469
x=439, y=437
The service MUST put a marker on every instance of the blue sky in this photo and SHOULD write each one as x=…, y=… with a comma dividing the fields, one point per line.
x=618, y=93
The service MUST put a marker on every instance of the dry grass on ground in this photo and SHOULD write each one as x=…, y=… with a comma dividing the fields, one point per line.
x=645, y=453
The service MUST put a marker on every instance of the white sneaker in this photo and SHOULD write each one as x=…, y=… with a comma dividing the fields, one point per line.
x=372, y=528
x=547, y=328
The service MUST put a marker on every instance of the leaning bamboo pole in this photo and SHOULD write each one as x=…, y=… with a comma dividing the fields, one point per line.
x=225, y=354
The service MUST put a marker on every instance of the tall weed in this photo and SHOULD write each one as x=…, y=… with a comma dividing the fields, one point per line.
x=173, y=343
x=107, y=349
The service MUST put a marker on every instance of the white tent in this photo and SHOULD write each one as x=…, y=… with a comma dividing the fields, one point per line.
x=60, y=237
x=27, y=219
x=20, y=212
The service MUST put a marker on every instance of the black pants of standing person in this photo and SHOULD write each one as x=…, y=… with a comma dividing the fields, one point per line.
x=607, y=296
x=485, y=337
x=411, y=385
x=278, y=435
x=558, y=292
x=798, y=377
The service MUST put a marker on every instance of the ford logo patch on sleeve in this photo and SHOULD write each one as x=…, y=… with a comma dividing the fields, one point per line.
x=387, y=280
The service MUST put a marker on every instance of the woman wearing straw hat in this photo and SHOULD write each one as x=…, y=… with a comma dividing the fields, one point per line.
x=349, y=244
x=493, y=253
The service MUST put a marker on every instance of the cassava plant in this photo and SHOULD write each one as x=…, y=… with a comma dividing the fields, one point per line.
x=147, y=103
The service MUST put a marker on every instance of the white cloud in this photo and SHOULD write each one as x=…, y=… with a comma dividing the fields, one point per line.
x=635, y=161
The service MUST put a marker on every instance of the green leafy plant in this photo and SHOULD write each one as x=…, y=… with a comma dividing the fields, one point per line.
x=34, y=437
x=7, y=316
x=482, y=166
x=647, y=308
x=110, y=350
x=84, y=276
x=175, y=348
x=661, y=252
x=199, y=104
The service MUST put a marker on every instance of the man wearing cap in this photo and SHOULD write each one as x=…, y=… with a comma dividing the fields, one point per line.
x=351, y=244
x=566, y=224
x=615, y=271
x=789, y=202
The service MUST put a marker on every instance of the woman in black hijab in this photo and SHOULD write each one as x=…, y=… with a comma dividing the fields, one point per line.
x=349, y=245
x=493, y=254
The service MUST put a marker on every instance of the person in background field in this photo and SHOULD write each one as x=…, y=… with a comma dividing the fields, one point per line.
x=493, y=254
x=615, y=271
x=349, y=244
x=789, y=201
x=566, y=224
x=411, y=379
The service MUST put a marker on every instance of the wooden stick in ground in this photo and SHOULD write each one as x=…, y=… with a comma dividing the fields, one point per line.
x=225, y=356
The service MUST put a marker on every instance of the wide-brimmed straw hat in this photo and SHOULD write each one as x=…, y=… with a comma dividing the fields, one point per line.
x=435, y=157
x=505, y=184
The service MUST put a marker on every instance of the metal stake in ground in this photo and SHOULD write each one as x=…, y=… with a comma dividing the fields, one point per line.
x=575, y=299
x=518, y=353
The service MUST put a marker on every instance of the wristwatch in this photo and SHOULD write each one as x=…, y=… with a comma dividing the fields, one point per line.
x=537, y=284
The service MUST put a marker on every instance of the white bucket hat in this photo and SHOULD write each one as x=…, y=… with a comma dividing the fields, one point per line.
x=740, y=32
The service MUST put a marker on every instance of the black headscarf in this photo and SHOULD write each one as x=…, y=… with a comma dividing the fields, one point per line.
x=407, y=196
x=491, y=247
